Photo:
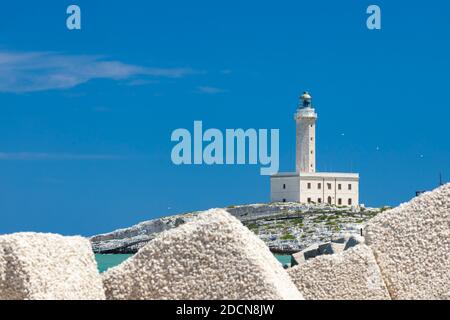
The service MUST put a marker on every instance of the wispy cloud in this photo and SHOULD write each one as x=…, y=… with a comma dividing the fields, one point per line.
x=30, y=156
x=210, y=90
x=37, y=71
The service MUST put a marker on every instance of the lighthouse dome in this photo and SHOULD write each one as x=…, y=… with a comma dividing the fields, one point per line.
x=306, y=96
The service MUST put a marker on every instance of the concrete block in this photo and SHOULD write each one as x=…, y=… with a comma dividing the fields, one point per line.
x=48, y=267
x=412, y=246
x=211, y=257
x=350, y=275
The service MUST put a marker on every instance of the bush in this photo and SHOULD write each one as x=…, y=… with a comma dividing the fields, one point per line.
x=287, y=236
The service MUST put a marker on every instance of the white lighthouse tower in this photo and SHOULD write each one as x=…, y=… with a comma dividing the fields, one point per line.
x=305, y=185
x=305, y=119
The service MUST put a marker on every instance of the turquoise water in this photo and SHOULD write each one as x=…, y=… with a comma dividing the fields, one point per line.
x=283, y=258
x=106, y=261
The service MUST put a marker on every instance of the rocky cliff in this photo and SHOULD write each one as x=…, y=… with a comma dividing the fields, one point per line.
x=284, y=227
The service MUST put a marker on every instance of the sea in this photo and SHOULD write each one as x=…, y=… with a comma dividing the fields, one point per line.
x=106, y=261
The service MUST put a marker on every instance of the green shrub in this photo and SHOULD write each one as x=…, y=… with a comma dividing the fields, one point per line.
x=287, y=236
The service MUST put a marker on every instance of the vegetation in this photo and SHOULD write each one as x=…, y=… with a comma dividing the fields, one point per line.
x=252, y=226
x=300, y=227
x=287, y=236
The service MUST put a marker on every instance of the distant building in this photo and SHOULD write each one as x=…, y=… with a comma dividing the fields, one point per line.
x=306, y=185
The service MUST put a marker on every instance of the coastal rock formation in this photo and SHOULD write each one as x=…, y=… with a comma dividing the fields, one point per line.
x=267, y=210
x=286, y=228
x=350, y=275
x=130, y=240
x=46, y=266
x=411, y=244
x=211, y=257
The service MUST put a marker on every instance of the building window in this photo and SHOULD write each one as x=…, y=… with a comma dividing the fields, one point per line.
x=339, y=186
x=329, y=186
x=339, y=201
x=284, y=200
x=312, y=138
x=329, y=200
x=349, y=186
x=284, y=186
x=312, y=152
x=319, y=200
x=309, y=200
x=309, y=185
x=319, y=186
x=349, y=202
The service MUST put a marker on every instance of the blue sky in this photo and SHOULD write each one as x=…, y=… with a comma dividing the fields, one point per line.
x=86, y=116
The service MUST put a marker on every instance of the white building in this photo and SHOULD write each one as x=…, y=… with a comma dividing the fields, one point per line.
x=306, y=185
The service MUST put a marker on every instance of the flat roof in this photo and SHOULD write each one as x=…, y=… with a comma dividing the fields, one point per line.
x=316, y=175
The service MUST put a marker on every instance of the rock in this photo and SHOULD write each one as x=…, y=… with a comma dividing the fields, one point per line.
x=316, y=250
x=48, y=267
x=350, y=275
x=130, y=240
x=331, y=248
x=341, y=240
x=297, y=258
x=412, y=246
x=353, y=241
x=269, y=221
x=212, y=257
x=258, y=211
x=309, y=253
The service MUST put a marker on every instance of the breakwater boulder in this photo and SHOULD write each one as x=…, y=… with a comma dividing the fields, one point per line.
x=353, y=241
x=211, y=257
x=37, y=266
x=405, y=254
x=350, y=275
x=333, y=247
x=411, y=244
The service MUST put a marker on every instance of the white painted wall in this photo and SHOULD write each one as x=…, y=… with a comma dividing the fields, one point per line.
x=305, y=188
x=305, y=138
x=285, y=189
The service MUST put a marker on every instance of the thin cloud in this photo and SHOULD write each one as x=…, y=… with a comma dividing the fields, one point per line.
x=140, y=82
x=32, y=156
x=38, y=71
x=210, y=90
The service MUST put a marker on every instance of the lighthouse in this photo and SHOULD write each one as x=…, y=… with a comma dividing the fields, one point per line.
x=305, y=119
x=305, y=185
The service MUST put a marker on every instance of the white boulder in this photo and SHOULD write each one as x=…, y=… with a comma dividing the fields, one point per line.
x=212, y=257
x=353, y=241
x=350, y=275
x=48, y=267
x=411, y=244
